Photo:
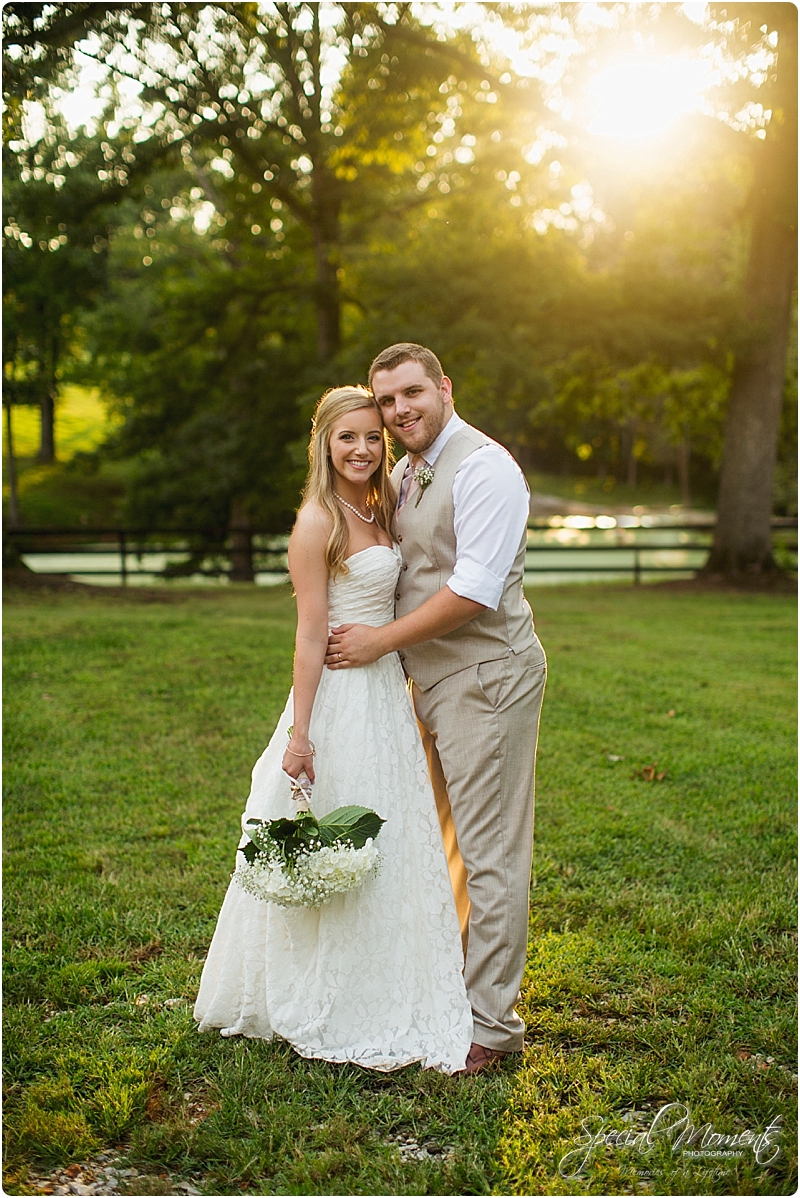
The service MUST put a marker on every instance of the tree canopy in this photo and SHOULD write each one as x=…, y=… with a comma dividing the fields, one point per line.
x=272, y=192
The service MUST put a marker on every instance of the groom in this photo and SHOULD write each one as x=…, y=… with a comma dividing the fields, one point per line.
x=465, y=635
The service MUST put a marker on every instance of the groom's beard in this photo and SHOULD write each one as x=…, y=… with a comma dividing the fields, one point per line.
x=425, y=432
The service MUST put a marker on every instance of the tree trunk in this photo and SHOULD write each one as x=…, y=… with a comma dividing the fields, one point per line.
x=327, y=301
x=241, y=541
x=326, y=235
x=633, y=461
x=13, y=500
x=683, y=455
x=47, y=442
x=742, y=539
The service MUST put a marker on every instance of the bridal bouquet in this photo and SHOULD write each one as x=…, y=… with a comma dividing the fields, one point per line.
x=303, y=862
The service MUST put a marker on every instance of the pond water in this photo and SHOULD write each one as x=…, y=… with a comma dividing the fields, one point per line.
x=562, y=549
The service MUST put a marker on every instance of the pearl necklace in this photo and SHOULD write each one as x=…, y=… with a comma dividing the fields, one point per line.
x=370, y=519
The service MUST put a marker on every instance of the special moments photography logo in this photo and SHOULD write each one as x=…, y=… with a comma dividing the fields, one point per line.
x=672, y=1124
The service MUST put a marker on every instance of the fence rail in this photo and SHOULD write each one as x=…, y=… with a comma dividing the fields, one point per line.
x=266, y=551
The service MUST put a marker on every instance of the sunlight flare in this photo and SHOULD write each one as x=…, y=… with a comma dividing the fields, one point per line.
x=637, y=97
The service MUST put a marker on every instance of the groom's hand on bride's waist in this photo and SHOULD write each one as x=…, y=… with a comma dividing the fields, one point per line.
x=353, y=645
x=359, y=644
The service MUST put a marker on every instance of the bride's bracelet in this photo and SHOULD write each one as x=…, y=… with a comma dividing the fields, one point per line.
x=313, y=752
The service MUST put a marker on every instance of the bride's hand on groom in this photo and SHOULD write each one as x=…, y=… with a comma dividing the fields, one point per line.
x=352, y=645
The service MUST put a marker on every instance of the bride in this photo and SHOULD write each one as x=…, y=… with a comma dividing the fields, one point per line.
x=373, y=976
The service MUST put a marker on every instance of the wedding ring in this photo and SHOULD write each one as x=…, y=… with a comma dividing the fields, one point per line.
x=340, y=656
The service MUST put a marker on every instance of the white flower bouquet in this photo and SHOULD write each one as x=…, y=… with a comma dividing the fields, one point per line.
x=303, y=862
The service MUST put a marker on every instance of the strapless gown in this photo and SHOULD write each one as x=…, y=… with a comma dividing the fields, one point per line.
x=373, y=976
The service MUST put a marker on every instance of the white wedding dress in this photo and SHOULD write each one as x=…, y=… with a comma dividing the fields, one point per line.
x=373, y=976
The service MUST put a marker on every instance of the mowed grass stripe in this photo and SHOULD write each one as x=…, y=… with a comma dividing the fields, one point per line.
x=662, y=927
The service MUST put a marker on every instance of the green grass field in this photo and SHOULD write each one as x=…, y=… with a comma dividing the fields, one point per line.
x=662, y=948
x=82, y=423
x=611, y=493
x=69, y=492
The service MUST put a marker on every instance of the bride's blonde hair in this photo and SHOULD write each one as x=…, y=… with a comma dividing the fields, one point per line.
x=320, y=487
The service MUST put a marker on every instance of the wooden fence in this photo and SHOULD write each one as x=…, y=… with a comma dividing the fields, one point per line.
x=162, y=554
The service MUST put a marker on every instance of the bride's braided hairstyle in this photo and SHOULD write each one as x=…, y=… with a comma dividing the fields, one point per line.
x=319, y=488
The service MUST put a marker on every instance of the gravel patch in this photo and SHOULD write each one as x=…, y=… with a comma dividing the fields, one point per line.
x=103, y=1175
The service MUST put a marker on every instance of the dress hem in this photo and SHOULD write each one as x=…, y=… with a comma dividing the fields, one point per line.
x=339, y=1056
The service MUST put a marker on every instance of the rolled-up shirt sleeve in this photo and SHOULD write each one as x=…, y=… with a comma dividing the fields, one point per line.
x=491, y=502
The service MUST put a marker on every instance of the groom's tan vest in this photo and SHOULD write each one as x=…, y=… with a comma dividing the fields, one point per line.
x=428, y=544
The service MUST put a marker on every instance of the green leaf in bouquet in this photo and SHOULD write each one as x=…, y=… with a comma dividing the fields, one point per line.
x=351, y=825
x=250, y=852
x=307, y=821
x=292, y=835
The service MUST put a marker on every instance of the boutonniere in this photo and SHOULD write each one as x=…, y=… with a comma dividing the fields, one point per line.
x=423, y=476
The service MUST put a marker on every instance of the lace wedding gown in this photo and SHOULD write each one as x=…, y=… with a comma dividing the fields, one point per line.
x=373, y=976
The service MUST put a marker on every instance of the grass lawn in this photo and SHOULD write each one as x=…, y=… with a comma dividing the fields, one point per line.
x=610, y=492
x=662, y=949
x=69, y=491
x=82, y=423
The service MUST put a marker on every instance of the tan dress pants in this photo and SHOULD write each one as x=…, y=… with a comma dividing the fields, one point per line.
x=480, y=728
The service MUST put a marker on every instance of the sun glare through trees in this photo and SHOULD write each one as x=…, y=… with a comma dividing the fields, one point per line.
x=635, y=98
x=214, y=211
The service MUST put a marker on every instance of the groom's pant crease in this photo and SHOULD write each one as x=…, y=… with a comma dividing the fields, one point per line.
x=480, y=728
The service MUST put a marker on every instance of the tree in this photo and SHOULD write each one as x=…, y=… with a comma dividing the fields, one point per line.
x=590, y=345
x=355, y=176
x=742, y=539
x=751, y=125
x=247, y=85
x=201, y=352
x=291, y=173
x=59, y=193
x=54, y=263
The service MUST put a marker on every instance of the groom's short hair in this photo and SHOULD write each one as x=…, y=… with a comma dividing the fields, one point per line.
x=408, y=351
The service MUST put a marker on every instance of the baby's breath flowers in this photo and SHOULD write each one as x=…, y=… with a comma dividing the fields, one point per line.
x=314, y=878
x=423, y=476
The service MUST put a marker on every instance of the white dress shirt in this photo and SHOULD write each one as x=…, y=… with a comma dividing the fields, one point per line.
x=492, y=503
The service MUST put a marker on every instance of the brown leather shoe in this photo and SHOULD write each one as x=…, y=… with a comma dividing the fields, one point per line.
x=479, y=1057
